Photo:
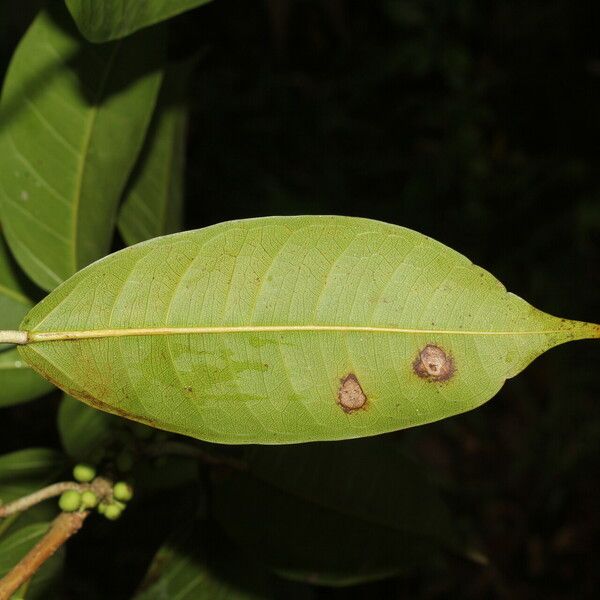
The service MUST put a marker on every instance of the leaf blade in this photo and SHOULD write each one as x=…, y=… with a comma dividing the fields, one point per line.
x=317, y=299
x=316, y=512
x=19, y=383
x=14, y=303
x=64, y=103
x=153, y=203
x=114, y=19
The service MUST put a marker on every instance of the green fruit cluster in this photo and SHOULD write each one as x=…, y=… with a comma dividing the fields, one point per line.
x=73, y=500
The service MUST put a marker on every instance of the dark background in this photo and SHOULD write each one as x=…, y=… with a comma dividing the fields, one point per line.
x=476, y=123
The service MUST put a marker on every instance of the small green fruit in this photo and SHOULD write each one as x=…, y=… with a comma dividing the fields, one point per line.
x=88, y=499
x=84, y=473
x=122, y=491
x=102, y=507
x=70, y=501
x=113, y=512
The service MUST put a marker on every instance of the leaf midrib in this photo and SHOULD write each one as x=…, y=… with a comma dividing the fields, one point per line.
x=588, y=329
x=87, y=141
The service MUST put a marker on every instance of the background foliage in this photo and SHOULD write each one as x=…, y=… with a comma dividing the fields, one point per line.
x=475, y=123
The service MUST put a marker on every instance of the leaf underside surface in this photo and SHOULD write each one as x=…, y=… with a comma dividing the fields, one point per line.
x=287, y=329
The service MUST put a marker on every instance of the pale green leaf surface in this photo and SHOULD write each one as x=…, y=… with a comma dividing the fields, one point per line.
x=316, y=512
x=72, y=120
x=111, y=19
x=153, y=202
x=242, y=332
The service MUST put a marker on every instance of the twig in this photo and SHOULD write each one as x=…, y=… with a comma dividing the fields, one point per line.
x=62, y=528
x=56, y=489
x=183, y=449
x=100, y=486
x=13, y=337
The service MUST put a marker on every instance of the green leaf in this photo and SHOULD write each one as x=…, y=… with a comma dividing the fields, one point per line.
x=18, y=381
x=287, y=329
x=153, y=203
x=24, y=471
x=111, y=19
x=74, y=119
x=335, y=514
x=16, y=545
x=14, y=303
x=83, y=430
x=199, y=564
x=176, y=573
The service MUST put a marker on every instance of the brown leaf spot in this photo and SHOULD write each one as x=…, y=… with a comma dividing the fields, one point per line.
x=433, y=364
x=350, y=395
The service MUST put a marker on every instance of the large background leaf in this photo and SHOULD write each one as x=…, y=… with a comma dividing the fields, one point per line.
x=14, y=302
x=73, y=118
x=83, y=431
x=153, y=202
x=336, y=514
x=24, y=471
x=381, y=294
x=111, y=19
x=181, y=569
x=18, y=382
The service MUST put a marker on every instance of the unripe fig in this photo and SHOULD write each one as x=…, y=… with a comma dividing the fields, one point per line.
x=122, y=491
x=113, y=512
x=88, y=499
x=84, y=473
x=70, y=501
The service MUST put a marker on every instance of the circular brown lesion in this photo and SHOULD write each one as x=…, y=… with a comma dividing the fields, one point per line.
x=434, y=364
x=350, y=395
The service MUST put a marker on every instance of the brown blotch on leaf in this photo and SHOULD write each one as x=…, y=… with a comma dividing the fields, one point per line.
x=433, y=364
x=350, y=395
